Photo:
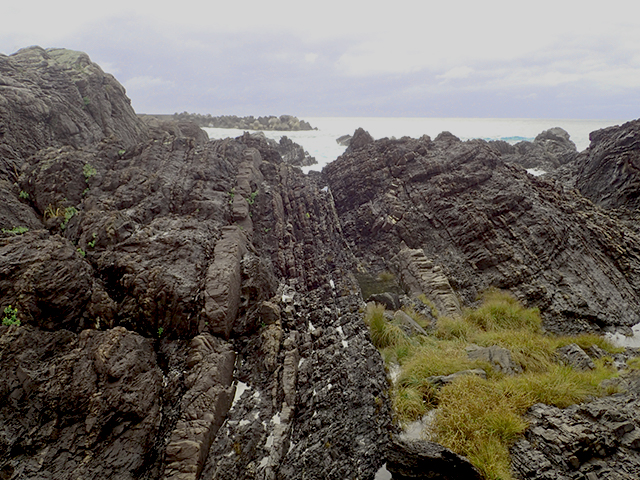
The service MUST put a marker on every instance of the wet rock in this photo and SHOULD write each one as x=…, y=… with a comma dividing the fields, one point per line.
x=83, y=405
x=203, y=407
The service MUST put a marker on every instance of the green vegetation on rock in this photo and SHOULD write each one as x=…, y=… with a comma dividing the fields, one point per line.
x=10, y=316
x=480, y=416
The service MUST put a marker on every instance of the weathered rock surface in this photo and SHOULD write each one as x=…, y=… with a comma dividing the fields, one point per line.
x=608, y=171
x=484, y=223
x=86, y=405
x=159, y=273
x=599, y=439
x=549, y=150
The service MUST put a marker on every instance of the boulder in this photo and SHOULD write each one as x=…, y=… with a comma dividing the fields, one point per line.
x=422, y=460
x=499, y=358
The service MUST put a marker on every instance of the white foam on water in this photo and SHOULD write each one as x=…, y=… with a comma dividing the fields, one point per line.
x=622, y=340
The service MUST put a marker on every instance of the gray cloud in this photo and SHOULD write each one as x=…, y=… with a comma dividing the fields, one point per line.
x=455, y=59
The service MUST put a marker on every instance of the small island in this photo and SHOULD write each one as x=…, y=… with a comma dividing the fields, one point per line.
x=286, y=123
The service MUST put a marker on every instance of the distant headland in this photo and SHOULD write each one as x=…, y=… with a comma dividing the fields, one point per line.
x=285, y=123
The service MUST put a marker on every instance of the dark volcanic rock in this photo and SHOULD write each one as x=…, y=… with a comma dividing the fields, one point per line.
x=487, y=224
x=608, y=172
x=422, y=460
x=160, y=270
x=58, y=97
x=549, y=150
x=74, y=406
x=599, y=439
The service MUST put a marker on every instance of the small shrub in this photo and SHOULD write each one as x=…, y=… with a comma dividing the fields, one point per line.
x=81, y=252
x=160, y=331
x=92, y=243
x=68, y=213
x=252, y=198
x=10, y=316
x=23, y=195
x=89, y=171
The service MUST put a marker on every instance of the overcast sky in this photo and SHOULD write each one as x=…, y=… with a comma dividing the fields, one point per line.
x=542, y=59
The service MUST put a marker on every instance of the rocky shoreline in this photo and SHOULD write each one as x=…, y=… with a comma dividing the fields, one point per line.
x=184, y=308
x=285, y=123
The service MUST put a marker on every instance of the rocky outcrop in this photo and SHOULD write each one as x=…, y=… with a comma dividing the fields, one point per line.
x=550, y=150
x=289, y=151
x=281, y=123
x=87, y=405
x=599, y=439
x=155, y=274
x=608, y=171
x=484, y=224
x=420, y=276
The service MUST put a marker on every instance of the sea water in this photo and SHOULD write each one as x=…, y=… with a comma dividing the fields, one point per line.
x=322, y=145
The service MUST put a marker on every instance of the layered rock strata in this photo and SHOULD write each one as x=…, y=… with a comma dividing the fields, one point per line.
x=483, y=223
x=156, y=275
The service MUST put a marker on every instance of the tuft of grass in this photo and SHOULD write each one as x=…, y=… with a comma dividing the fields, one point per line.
x=386, y=277
x=634, y=363
x=587, y=340
x=478, y=419
x=409, y=403
x=383, y=334
x=481, y=418
x=456, y=328
x=434, y=311
x=421, y=320
x=500, y=311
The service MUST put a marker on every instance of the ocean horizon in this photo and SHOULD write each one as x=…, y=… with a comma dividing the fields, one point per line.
x=322, y=145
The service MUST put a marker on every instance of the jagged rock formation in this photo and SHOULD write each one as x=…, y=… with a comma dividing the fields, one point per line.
x=162, y=274
x=418, y=460
x=289, y=151
x=599, y=439
x=189, y=308
x=484, y=224
x=607, y=172
x=550, y=150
